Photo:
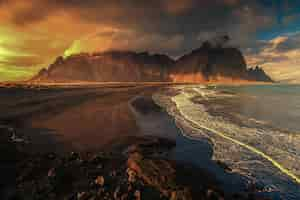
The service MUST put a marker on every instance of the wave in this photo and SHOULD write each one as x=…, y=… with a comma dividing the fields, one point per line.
x=265, y=155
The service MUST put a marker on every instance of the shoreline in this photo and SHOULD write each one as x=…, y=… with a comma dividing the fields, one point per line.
x=149, y=118
x=194, y=136
x=203, y=147
x=126, y=84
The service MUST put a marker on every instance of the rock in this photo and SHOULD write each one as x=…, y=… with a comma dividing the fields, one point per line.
x=211, y=194
x=124, y=196
x=223, y=165
x=82, y=196
x=99, y=181
x=129, y=188
x=146, y=146
x=113, y=173
x=97, y=159
x=181, y=195
x=173, y=195
x=137, y=195
x=100, y=166
x=133, y=161
x=116, y=192
x=51, y=156
x=51, y=172
x=136, y=175
x=74, y=156
x=131, y=175
x=154, y=172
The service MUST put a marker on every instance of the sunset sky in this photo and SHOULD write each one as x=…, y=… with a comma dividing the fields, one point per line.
x=34, y=32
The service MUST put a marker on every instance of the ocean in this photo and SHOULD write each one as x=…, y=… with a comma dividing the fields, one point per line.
x=253, y=129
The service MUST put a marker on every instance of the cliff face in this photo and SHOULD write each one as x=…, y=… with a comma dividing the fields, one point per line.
x=210, y=63
x=204, y=64
x=109, y=66
x=258, y=74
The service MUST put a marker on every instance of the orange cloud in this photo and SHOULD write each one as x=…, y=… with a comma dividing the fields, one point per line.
x=279, y=58
x=45, y=29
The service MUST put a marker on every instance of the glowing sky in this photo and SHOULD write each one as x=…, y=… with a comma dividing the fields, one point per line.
x=34, y=32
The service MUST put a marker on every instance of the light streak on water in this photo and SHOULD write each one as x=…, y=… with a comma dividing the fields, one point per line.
x=223, y=135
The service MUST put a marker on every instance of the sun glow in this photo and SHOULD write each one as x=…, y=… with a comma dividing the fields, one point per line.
x=74, y=49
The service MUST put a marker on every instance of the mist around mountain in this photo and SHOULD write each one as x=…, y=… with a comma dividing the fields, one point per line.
x=212, y=62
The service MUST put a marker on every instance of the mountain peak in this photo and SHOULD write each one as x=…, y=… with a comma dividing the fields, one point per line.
x=209, y=62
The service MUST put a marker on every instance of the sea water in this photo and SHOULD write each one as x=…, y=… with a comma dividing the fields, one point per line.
x=254, y=129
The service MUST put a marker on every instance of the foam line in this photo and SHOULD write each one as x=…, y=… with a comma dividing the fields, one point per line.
x=250, y=148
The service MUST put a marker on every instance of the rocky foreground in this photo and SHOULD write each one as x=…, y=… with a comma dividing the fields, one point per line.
x=136, y=168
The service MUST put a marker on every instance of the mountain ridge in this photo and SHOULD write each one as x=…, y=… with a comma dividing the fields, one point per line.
x=205, y=64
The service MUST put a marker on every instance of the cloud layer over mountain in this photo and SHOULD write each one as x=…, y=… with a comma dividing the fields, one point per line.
x=34, y=32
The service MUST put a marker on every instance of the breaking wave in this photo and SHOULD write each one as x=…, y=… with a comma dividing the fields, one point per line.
x=267, y=156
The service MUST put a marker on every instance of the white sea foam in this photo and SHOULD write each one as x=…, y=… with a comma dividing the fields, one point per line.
x=262, y=154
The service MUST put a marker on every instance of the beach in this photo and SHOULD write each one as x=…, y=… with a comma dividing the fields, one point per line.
x=117, y=120
x=245, y=130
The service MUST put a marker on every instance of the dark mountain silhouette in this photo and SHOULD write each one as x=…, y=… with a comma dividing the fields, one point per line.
x=258, y=74
x=210, y=62
x=108, y=66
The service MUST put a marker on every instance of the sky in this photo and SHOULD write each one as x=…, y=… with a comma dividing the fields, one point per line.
x=34, y=32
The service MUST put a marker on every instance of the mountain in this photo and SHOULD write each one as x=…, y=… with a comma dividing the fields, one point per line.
x=207, y=63
x=258, y=74
x=115, y=66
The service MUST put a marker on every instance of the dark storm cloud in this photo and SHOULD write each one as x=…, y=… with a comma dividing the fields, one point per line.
x=187, y=17
x=164, y=26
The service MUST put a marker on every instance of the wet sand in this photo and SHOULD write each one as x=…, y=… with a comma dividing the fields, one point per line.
x=81, y=118
x=93, y=118
x=192, y=152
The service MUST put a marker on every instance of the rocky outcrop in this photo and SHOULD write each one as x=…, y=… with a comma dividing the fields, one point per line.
x=258, y=74
x=207, y=63
x=210, y=63
x=135, y=175
x=134, y=170
x=108, y=67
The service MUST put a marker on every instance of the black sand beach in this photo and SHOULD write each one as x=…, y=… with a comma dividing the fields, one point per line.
x=103, y=142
